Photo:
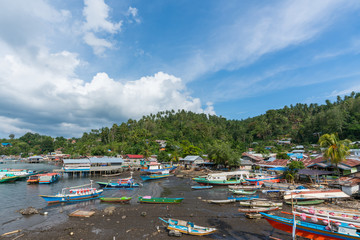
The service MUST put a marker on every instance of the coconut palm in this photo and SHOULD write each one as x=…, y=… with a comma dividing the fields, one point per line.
x=336, y=150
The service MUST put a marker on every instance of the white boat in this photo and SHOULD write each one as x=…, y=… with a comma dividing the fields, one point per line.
x=224, y=178
x=260, y=204
x=316, y=194
x=221, y=201
x=15, y=172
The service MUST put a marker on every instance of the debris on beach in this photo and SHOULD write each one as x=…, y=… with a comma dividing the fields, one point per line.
x=82, y=213
x=109, y=210
x=28, y=211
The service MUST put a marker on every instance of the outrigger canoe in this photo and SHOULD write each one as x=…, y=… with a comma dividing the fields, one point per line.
x=200, y=187
x=187, y=227
x=115, y=200
x=149, y=199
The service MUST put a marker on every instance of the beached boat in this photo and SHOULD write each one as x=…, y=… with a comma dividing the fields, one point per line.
x=241, y=191
x=225, y=178
x=312, y=230
x=115, y=199
x=149, y=199
x=120, y=183
x=316, y=194
x=306, y=202
x=260, y=204
x=257, y=210
x=8, y=179
x=244, y=198
x=200, y=187
x=245, y=187
x=221, y=201
x=341, y=214
x=163, y=174
x=79, y=193
x=155, y=167
x=187, y=227
x=276, y=185
x=260, y=179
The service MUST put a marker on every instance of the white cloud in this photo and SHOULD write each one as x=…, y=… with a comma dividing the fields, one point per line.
x=133, y=12
x=96, y=13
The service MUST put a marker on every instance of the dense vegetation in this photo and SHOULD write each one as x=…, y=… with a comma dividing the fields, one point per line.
x=190, y=133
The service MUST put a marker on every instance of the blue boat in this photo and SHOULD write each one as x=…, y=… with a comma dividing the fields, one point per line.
x=120, y=183
x=73, y=194
x=187, y=227
x=243, y=198
x=200, y=187
x=155, y=176
x=155, y=167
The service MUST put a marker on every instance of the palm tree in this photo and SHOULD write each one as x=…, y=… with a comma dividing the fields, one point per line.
x=336, y=149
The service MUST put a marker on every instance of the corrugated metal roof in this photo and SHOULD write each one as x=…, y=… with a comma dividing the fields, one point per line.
x=192, y=158
x=106, y=160
x=69, y=161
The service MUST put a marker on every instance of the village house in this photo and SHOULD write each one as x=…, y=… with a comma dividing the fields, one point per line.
x=191, y=161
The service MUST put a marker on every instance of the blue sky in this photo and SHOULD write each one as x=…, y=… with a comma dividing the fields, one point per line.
x=67, y=67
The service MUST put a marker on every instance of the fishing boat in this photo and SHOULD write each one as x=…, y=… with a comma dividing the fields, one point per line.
x=312, y=230
x=8, y=179
x=73, y=194
x=163, y=174
x=245, y=187
x=260, y=179
x=257, y=210
x=222, y=201
x=21, y=173
x=155, y=167
x=187, y=227
x=149, y=199
x=260, y=204
x=241, y=191
x=120, y=183
x=350, y=216
x=34, y=179
x=244, y=198
x=306, y=202
x=48, y=178
x=200, y=187
x=115, y=199
x=316, y=194
x=225, y=178
x=277, y=185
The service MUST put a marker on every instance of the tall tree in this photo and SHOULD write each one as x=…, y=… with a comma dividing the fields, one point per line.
x=336, y=150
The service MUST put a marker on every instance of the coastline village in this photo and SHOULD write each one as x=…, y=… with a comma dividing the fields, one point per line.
x=325, y=205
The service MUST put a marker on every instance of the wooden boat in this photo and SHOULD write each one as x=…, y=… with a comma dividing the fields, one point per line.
x=245, y=187
x=21, y=173
x=155, y=167
x=306, y=202
x=253, y=215
x=187, y=227
x=200, y=187
x=115, y=199
x=8, y=179
x=120, y=183
x=34, y=179
x=350, y=216
x=260, y=204
x=79, y=193
x=163, y=174
x=149, y=199
x=260, y=179
x=311, y=230
x=285, y=186
x=244, y=198
x=257, y=210
x=225, y=178
x=47, y=178
x=243, y=192
x=317, y=194
x=221, y=201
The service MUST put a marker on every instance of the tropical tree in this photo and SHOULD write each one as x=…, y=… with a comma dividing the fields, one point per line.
x=336, y=150
x=292, y=170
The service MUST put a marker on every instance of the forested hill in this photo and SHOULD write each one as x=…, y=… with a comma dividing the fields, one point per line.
x=303, y=123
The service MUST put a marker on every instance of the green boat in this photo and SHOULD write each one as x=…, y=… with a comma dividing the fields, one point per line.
x=308, y=202
x=115, y=199
x=224, y=178
x=7, y=179
x=149, y=199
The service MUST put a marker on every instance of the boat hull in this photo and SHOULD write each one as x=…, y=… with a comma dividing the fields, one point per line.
x=116, y=185
x=304, y=229
x=71, y=197
x=154, y=176
x=160, y=200
x=115, y=200
x=217, y=182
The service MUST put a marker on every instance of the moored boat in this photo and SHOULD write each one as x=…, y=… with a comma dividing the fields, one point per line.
x=8, y=179
x=225, y=178
x=312, y=230
x=306, y=202
x=120, y=183
x=155, y=167
x=245, y=187
x=316, y=194
x=200, y=187
x=115, y=199
x=163, y=174
x=221, y=201
x=149, y=199
x=257, y=210
x=260, y=204
x=242, y=192
x=187, y=227
x=73, y=194
x=244, y=198
x=260, y=179
x=47, y=178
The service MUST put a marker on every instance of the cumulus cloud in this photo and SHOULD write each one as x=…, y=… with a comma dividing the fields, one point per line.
x=133, y=13
x=96, y=14
x=50, y=99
